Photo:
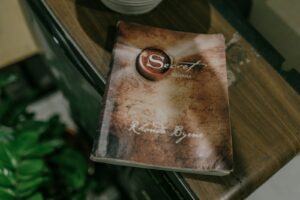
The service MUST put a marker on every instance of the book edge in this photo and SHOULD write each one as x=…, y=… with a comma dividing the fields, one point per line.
x=115, y=161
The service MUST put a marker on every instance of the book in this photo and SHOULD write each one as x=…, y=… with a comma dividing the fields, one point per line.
x=166, y=104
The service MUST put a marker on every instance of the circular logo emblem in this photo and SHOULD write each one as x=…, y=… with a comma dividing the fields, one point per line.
x=153, y=64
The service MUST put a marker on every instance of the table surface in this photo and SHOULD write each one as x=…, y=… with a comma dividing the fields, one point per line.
x=264, y=110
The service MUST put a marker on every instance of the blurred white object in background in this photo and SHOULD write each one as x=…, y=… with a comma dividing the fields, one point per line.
x=54, y=104
x=132, y=7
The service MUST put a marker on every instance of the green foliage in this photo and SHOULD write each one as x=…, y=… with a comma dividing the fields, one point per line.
x=35, y=161
x=74, y=173
x=7, y=79
x=22, y=170
x=36, y=196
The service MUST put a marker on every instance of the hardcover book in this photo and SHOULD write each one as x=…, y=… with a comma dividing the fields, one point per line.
x=166, y=103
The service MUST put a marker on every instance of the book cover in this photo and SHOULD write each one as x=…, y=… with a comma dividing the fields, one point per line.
x=166, y=103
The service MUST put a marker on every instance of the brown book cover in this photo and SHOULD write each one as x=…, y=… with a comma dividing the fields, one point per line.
x=166, y=105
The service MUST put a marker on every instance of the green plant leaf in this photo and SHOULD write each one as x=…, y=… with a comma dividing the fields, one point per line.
x=34, y=166
x=7, y=194
x=5, y=107
x=74, y=179
x=37, y=196
x=31, y=186
x=7, y=178
x=43, y=149
x=4, y=181
x=32, y=125
x=17, y=113
x=6, y=80
x=26, y=193
x=57, y=128
x=78, y=196
x=13, y=115
x=24, y=188
x=6, y=134
x=74, y=174
x=25, y=141
x=7, y=158
x=27, y=177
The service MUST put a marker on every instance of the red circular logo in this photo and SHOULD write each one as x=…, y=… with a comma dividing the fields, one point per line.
x=153, y=64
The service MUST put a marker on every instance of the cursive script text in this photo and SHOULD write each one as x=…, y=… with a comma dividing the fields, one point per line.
x=158, y=128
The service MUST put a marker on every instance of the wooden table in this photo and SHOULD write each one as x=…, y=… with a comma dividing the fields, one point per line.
x=264, y=110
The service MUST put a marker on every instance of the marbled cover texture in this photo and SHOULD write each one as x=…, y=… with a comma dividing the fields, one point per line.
x=166, y=104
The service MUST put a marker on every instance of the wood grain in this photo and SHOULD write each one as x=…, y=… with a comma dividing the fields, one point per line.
x=264, y=110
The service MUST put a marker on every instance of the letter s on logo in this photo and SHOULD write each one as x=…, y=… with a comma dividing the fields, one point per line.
x=153, y=64
x=152, y=60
